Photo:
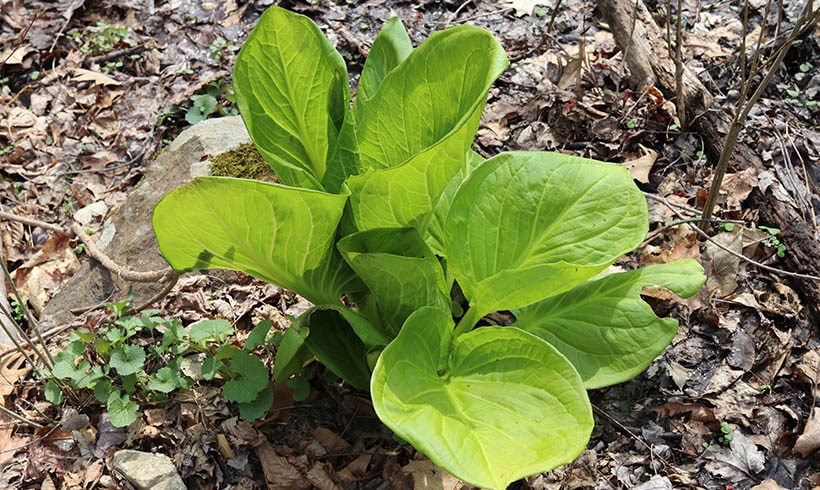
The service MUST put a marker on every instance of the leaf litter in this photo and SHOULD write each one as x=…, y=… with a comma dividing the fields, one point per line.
x=76, y=137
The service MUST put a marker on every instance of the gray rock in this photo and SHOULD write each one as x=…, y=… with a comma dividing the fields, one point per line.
x=147, y=470
x=127, y=236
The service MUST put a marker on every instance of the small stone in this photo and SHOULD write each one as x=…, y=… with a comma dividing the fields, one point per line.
x=147, y=470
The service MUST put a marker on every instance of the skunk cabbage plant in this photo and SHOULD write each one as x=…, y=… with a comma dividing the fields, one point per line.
x=384, y=212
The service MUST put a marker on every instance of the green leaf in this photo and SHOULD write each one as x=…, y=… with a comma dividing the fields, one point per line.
x=249, y=377
x=122, y=410
x=528, y=225
x=258, y=335
x=215, y=330
x=292, y=353
x=604, y=327
x=103, y=390
x=300, y=387
x=415, y=131
x=257, y=409
x=164, y=380
x=127, y=359
x=88, y=378
x=278, y=234
x=434, y=234
x=211, y=366
x=292, y=91
x=390, y=48
x=175, y=338
x=53, y=392
x=334, y=342
x=399, y=269
x=82, y=335
x=490, y=406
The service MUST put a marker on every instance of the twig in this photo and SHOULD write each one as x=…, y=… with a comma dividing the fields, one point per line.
x=732, y=252
x=116, y=54
x=170, y=282
x=744, y=107
x=122, y=272
x=32, y=222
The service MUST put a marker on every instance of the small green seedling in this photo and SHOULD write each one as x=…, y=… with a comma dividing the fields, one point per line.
x=384, y=212
x=773, y=241
x=726, y=433
x=144, y=358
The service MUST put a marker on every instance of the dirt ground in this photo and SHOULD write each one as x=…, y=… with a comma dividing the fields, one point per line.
x=91, y=90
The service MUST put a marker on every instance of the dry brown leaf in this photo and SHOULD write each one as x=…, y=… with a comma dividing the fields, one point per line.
x=722, y=278
x=13, y=368
x=330, y=440
x=279, y=473
x=768, y=484
x=739, y=462
x=43, y=274
x=97, y=78
x=738, y=186
x=356, y=469
x=809, y=440
x=782, y=301
x=640, y=167
x=428, y=476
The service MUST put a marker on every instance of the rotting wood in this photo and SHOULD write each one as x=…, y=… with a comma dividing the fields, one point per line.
x=642, y=41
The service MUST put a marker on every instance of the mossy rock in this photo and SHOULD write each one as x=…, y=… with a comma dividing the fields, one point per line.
x=244, y=162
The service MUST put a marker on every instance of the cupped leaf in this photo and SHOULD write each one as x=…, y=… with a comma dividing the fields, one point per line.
x=334, y=342
x=413, y=134
x=490, y=406
x=390, y=48
x=604, y=327
x=279, y=234
x=528, y=225
x=400, y=271
x=292, y=91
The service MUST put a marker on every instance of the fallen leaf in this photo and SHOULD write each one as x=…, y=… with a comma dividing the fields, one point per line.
x=809, y=440
x=428, y=476
x=738, y=186
x=279, y=473
x=768, y=484
x=657, y=482
x=95, y=77
x=738, y=463
x=640, y=167
x=722, y=278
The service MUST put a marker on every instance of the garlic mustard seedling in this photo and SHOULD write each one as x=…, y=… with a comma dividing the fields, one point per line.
x=383, y=206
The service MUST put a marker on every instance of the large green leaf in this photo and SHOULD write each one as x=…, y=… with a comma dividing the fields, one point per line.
x=292, y=91
x=390, y=48
x=604, y=327
x=335, y=343
x=414, y=132
x=528, y=225
x=434, y=234
x=490, y=407
x=400, y=271
x=280, y=234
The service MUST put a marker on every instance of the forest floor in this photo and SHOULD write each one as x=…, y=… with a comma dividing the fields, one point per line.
x=91, y=90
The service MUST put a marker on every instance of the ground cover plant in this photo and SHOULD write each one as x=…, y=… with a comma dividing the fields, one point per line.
x=144, y=357
x=405, y=240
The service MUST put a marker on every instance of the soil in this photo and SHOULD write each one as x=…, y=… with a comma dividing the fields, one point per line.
x=92, y=90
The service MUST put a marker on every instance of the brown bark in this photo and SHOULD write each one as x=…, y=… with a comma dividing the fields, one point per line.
x=649, y=60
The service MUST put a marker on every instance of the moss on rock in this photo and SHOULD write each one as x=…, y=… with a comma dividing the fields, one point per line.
x=244, y=162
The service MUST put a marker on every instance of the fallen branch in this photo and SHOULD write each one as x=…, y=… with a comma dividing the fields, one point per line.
x=645, y=41
x=167, y=275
